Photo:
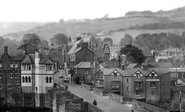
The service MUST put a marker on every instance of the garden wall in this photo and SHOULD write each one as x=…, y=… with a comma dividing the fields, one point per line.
x=144, y=107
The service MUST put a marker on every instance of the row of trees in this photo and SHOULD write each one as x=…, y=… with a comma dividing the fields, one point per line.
x=156, y=41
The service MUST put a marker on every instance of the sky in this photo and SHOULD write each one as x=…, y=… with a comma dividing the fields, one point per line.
x=54, y=10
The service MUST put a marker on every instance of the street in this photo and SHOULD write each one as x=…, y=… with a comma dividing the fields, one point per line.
x=102, y=101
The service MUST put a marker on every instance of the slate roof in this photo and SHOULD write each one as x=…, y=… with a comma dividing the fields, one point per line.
x=132, y=65
x=84, y=65
x=27, y=59
x=130, y=72
x=74, y=47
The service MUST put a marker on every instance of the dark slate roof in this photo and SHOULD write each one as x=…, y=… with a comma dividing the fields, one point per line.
x=130, y=72
x=132, y=65
x=27, y=59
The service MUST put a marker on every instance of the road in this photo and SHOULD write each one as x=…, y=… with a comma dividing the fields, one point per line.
x=102, y=101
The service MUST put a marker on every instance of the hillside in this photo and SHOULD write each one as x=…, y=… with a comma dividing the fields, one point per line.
x=9, y=27
x=133, y=20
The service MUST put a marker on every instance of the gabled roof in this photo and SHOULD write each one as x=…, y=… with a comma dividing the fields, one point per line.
x=27, y=60
x=48, y=61
x=132, y=65
x=74, y=47
x=164, y=64
x=84, y=65
x=131, y=72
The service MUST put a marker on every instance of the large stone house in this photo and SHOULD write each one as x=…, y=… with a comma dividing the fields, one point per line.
x=10, y=78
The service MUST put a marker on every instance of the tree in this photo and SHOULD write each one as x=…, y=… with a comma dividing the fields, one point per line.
x=126, y=40
x=108, y=40
x=2, y=42
x=59, y=39
x=133, y=54
x=32, y=39
x=45, y=44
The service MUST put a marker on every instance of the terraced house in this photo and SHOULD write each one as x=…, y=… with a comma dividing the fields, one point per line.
x=138, y=82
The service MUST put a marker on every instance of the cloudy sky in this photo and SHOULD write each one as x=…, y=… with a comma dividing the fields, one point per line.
x=54, y=10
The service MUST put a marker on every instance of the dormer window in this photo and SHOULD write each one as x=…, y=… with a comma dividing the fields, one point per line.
x=153, y=84
x=48, y=67
x=138, y=75
x=86, y=71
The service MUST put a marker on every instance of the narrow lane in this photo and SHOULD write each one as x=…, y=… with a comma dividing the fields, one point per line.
x=102, y=101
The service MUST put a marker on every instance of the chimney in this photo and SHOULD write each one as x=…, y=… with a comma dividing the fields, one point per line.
x=84, y=44
x=5, y=49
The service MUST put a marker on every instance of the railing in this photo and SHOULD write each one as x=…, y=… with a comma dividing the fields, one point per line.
x=101, y=91
x=88, y=87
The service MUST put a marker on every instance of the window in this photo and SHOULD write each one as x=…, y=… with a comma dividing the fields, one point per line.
x=127, y=88
x=137, y=93
x=0, y=65
x=183, y=75
x=0, y=75
x=16, y=75
x=48, y=67
x=152, y=92
x=115, y=84
x=138, y=85
x=23, y=79
x=180, y=75
x=115, y=74
x=138, y=75
x=26, y=79
x=96, y=45
x=86, y=71
x=29, y=79
x=127, y=80
x=11, y=75
x=28, y=66
x=9, y=86
x=48, y=79
x=18, y=85
x=11, y=65
x=153, y=84
x=25, y=66
x=16, y=65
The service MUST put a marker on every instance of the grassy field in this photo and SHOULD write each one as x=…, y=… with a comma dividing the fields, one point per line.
x=116, y=36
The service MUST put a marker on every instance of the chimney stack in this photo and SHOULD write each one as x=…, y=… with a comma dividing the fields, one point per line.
x=84, y=44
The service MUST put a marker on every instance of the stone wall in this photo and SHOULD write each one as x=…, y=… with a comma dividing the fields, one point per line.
x=144, y=107
x=101, y=91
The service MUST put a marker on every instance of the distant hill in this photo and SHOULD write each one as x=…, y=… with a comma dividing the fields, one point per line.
x=13, y=27
x=133, y=20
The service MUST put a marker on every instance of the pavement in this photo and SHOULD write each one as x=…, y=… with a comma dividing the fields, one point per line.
x=103, y=102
